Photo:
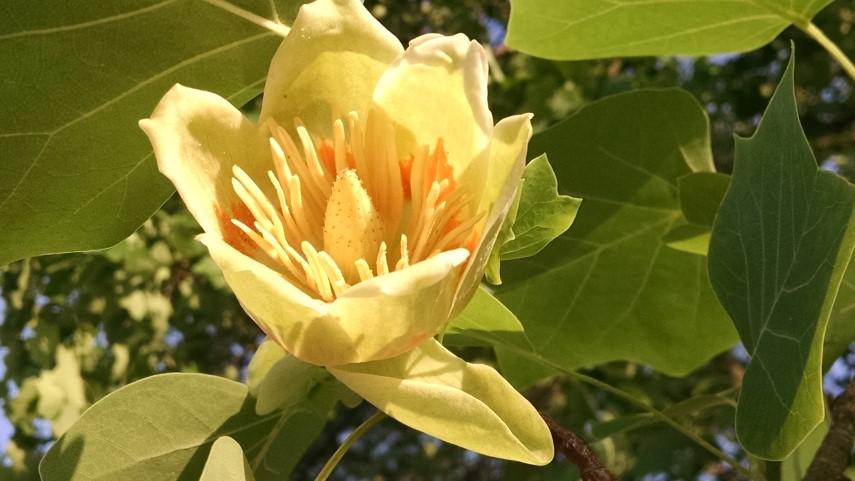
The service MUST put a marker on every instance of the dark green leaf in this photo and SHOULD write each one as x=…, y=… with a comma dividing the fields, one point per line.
x=779, y=248
x=582, y=29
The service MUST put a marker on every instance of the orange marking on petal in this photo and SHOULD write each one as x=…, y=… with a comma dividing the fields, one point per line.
x=326, y=152
x=471, y=242
x=438, y=169
x=406, y=174
x=231, y=233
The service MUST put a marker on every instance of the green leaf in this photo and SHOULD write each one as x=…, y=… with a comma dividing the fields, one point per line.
x=265, y=357
x=77, y=172
x=609, y=288
x=287, y=383
x=226, y=462
x=158, y=428
x=584, y=29
x=700, y=196
x=795, y=467
x=487, y=320
x=782, y=240
x=841, y=325
x=543, y=214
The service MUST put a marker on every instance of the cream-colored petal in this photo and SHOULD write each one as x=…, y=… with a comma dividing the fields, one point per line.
x=508, y=150
x=197, y=137
x=376, y=319
x=438, y=89
x=328, y=65
x=470, y=405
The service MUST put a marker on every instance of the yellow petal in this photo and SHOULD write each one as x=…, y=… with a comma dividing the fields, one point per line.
x=376, y=319
x=470, y=405
x=438, y=89
x=508, y=150
x=197, y=137
x=328, y=65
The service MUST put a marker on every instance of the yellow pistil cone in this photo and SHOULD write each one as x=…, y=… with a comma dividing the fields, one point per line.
x=353, y=229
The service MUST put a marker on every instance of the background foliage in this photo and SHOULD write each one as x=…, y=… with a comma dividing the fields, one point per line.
x=75, y=327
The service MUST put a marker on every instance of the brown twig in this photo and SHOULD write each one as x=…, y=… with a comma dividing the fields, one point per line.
x=833, y=456
x=577, y=451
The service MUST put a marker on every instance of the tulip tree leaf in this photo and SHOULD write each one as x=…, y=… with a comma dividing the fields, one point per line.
x=609, y=288
x=540, y=214
x=781, y=243
x=226, y=462
x=700, y=196
x=584, y=29
x=841, y=325
x=162, y=427
x=77, y=172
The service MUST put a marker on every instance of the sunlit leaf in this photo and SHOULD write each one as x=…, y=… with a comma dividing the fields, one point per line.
x=77, y=172
x=226, y=462
x=581, y=29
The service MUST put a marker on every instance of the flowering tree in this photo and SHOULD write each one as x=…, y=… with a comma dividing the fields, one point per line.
x=355, y=214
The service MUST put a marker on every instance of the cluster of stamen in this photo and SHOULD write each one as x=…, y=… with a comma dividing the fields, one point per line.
x=368, y=210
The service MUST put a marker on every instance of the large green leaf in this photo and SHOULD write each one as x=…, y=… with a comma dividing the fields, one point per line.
x=163, y=426
x=77, y=172
x=780, y=245
x=581, y=29
x=158, y=428
x=609, y=288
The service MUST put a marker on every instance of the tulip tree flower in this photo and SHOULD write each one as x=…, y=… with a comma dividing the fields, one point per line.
x=356, y=218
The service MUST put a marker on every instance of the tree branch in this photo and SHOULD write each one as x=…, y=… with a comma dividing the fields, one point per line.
x=832, y=457
x=577, y=451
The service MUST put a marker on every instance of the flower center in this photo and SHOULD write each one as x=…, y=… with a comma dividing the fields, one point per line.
x=336, y=212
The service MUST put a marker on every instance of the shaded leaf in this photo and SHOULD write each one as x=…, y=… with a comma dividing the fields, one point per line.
x=779, y=248
x=609, y=288
x=583, y=29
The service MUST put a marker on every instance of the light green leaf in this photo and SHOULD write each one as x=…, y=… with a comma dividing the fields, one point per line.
x=542, y=215
x=77, y=172
x=267, y=354
x=583, y=29
x=287, y=383
x=795, y=467
x=157, y=428
x=781, y=243
x=841, y=325
x=609, y=288
x=226, y=462
x=485, y=319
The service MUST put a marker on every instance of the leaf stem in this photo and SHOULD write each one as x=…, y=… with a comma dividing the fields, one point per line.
x=339, y=453
x=273, y=26
x=665, y=419
x=815, y=33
